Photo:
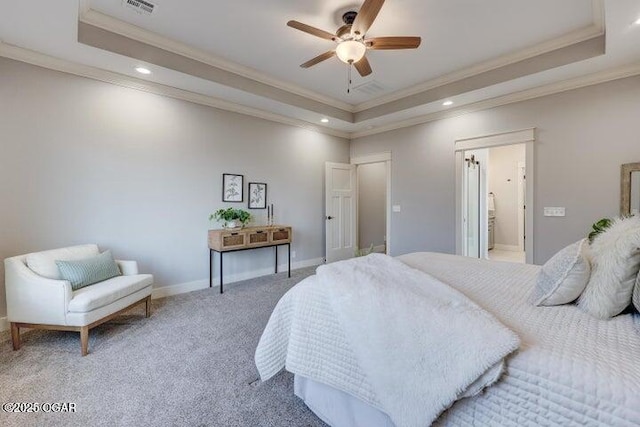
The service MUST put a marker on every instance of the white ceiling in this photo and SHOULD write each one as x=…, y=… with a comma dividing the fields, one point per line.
x=456, y=35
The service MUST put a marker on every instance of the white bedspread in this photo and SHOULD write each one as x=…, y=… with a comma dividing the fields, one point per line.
x=571, y=369
x=414, y=343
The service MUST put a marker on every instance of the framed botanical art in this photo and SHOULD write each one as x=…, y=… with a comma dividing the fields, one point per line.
x=232, y=187
x=257, y=195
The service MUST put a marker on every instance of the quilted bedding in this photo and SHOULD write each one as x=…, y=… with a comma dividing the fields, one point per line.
x=571, y=369
x=420, y=343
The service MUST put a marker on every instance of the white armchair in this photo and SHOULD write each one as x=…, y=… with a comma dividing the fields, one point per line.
x=38, y=298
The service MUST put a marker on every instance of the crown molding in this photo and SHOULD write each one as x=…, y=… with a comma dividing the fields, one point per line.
x=108, y=23
x=594, y=30
x=46, y=61
x=62, y=65
x=537, y=92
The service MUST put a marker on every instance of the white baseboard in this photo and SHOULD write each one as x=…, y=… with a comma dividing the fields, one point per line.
x=182, y=288
x=508, y=248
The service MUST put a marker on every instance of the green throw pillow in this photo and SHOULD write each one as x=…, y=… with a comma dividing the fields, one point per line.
x=85, y=272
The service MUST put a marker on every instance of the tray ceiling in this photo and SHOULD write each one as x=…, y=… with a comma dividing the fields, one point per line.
x=241, y=56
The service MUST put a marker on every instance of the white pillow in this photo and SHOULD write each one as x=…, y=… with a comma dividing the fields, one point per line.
x=44, y=263
x=563, y=278
x=614, y=266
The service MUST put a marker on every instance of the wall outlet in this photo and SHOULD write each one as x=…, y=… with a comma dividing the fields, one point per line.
x=293, y=254
x=396, y=208
x=554, y=211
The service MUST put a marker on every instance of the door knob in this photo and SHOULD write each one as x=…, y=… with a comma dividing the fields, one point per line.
x=329, y=217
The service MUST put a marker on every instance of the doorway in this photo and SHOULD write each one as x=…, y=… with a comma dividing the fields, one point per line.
x=372, y=207
x=506, y=166
x=494, y=191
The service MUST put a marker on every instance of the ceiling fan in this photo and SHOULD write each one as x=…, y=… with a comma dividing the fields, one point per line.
x=352, y=44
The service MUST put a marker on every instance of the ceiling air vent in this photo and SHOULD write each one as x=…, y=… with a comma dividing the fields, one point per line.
x=371, y=87
x=140, y=6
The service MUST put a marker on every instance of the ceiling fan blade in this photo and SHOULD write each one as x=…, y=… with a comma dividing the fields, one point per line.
x=363, y=67
x=380, y=43
x=366, y=15
x=312, y=30
x=318, y=59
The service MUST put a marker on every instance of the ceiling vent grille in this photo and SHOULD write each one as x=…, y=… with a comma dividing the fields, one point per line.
x=372, y=87
x=140, y=6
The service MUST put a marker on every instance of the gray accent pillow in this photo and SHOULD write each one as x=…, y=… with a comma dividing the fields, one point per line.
x=88, y=271
x=563, y=278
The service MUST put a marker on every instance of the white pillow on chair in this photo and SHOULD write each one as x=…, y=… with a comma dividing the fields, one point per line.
x=615, y=264
x=563, y=278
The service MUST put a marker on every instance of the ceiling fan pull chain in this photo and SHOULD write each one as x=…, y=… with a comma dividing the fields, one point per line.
x=349, y=78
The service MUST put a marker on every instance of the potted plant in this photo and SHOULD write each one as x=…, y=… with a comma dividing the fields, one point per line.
x=231, y=218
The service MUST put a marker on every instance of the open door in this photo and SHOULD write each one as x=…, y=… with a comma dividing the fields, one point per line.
x=340, y=211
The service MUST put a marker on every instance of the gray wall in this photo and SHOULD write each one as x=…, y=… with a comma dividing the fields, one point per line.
x=85, y=161
x=372, y=204
x=583, y=136
x=503, y=183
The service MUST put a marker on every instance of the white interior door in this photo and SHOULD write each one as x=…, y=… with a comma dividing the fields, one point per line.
x=340, y=215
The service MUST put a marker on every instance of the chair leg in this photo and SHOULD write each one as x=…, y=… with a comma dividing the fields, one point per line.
x=15, y=336
x=84, y=340
x=147, y=306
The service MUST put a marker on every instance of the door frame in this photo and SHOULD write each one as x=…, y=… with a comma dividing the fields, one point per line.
x=524, y=136
x=382, y=157
x=522, y=203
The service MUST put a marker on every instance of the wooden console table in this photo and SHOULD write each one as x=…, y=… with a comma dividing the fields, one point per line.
x=223, y=241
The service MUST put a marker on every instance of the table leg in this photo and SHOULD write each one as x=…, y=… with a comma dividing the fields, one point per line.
x=276, y=248
x=221, y=271
x=289, y=252
x=210, y=268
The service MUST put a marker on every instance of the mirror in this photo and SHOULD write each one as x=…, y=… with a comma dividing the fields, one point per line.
x=630, y=189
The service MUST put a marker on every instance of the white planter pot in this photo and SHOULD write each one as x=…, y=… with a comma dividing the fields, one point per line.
x=233, y=225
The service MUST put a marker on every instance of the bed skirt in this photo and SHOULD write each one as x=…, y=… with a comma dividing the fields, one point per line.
x=337, y=408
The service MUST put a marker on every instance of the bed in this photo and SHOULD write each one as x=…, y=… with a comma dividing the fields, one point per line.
x=569, y=369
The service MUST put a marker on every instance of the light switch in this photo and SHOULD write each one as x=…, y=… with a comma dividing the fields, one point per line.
x=396, y=208
x=554, y=211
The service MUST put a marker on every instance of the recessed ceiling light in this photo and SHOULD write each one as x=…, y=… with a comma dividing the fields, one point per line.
x=637, y=22
x=325, y=120
x=447, y=103
x=143, y=70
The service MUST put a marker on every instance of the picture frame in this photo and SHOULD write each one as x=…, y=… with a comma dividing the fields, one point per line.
x=232, y=188
x=257, y=195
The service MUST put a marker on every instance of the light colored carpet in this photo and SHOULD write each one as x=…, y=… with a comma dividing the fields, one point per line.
x=189, y=364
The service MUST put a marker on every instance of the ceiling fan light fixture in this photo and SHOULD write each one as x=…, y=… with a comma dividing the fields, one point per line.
x=350, y=51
